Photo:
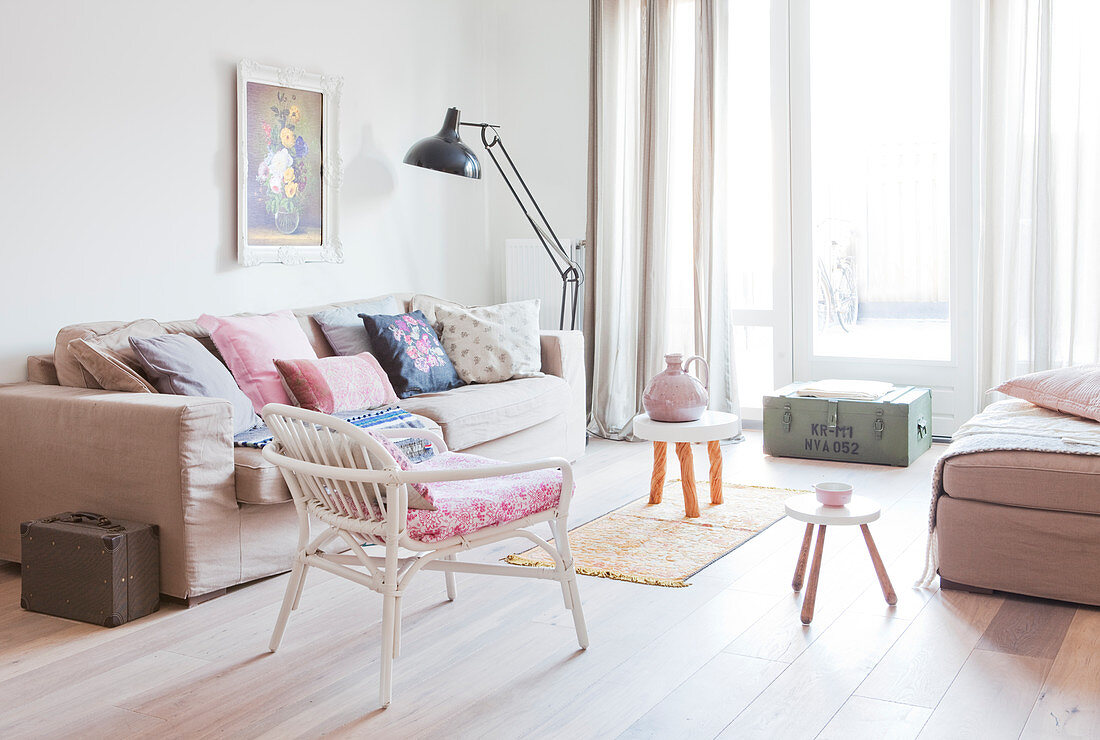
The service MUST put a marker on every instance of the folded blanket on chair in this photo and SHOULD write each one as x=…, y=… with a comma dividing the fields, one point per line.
x=390, y=417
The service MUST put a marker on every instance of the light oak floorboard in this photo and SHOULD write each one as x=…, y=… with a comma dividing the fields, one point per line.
x=708, y=700
x=1069, y=702
x=802, y=700
x=1028, y=627
x=872, y=719
x=920, y=667
x=990, y=698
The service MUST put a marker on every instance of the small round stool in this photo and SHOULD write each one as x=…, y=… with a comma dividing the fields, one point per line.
x=860, y=510
x=710, y=428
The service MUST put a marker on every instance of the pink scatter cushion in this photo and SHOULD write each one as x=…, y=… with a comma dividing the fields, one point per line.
x=333, y=384
x=250, y=345
x=1071, y=390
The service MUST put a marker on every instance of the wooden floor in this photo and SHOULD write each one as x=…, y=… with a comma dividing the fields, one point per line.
x=726, y=657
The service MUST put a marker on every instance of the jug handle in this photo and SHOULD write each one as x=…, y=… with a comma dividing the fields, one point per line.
x=705, y=366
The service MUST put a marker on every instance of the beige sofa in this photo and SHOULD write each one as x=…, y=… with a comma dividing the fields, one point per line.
x=224, y=513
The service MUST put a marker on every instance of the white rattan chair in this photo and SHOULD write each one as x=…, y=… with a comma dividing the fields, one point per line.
x=345, y=479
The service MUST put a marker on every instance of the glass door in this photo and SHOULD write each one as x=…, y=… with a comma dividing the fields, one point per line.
x=882, y=193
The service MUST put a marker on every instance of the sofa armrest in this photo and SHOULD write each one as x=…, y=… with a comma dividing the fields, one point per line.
x=563, y=356
x=156, y=458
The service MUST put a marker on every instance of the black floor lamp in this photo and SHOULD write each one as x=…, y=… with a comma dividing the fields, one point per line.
x=445, y=152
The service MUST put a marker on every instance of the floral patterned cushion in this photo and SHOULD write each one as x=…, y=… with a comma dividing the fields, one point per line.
x=462, y=507
x=333, y=384
x=409, y=350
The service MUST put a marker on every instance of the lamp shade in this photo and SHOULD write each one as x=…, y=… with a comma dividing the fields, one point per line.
x=445, y=151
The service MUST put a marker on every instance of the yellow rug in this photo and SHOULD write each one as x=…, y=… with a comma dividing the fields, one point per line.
x=657, y=545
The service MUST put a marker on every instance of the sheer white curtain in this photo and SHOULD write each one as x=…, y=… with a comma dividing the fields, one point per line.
x=1040, y=245
x=656, y=242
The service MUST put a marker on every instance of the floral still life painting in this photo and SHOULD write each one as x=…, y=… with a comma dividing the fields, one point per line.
x=287, y=142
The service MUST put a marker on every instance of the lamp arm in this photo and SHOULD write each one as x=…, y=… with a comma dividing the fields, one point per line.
x=571, y=273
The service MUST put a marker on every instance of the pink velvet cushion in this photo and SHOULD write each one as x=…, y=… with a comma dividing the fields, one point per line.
x=250, y=344
x=1071, y=390
x=462, y=507
x=333, y=384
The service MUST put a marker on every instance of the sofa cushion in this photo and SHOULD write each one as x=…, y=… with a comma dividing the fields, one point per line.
x=408, y=349
x=257, y=480
x=110, y=370
x=179, y=364
x=474, y=414
x=490, y=344
x=1032, y=480
x=426, y=304
x=332, y=384
x=113, y=335
x=1071, y=390
x=344, y=329
x=250, y=344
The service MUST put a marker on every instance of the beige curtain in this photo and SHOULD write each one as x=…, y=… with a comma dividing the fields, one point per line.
x=1040, y=185
x=653, y=68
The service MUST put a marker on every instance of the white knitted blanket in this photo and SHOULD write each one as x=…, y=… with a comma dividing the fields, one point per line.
x=989, y=432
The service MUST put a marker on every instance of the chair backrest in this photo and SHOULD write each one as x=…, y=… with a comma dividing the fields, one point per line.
x=316, y=452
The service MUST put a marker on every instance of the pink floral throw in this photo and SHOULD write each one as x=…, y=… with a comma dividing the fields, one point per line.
x=465, y=506
x=333, y=384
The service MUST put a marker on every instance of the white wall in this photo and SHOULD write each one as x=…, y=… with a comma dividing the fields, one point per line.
x=118, y=163
x=538, y=52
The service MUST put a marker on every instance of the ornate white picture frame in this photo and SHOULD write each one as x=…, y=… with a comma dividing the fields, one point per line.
x=288, y=165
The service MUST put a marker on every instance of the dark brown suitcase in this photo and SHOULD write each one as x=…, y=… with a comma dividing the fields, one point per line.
x=87, y=567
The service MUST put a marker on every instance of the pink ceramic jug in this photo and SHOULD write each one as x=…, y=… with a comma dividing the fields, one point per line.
x=673, y=394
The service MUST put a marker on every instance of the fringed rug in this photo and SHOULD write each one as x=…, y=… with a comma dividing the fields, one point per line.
x=657, y=545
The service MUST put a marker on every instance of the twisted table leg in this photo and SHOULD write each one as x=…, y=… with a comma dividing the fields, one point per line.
x=687, y=478
x=714, y=450
x=657, y=483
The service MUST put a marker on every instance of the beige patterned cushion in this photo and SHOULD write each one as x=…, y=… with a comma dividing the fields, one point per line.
x=428, y=305
x=490, y=344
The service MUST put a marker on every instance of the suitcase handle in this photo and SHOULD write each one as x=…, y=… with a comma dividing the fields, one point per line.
x=78, y=517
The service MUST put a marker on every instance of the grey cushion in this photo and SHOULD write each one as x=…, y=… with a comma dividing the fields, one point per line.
x=344, y=329
x=179, y=364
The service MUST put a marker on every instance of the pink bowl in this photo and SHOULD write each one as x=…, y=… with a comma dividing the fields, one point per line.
x=833, y=494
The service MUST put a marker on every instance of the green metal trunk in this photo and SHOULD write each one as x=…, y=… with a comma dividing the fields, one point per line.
x=892, y=430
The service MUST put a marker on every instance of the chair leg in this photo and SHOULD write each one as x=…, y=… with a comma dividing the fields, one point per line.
x=301, y=587
x=385, y=679
x=397, y=627
x=555, y=536
x=569, y=582
x=290, y=599
x=452, y=585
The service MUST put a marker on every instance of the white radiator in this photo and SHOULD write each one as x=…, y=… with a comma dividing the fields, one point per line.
x=529, y=273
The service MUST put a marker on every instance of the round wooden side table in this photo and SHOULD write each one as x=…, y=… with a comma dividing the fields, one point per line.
x=710, y=428
x=860, y=510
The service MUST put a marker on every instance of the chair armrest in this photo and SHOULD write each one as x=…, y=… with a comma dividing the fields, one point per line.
x=150, y=457
x=563, y=356
x=440, y=475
